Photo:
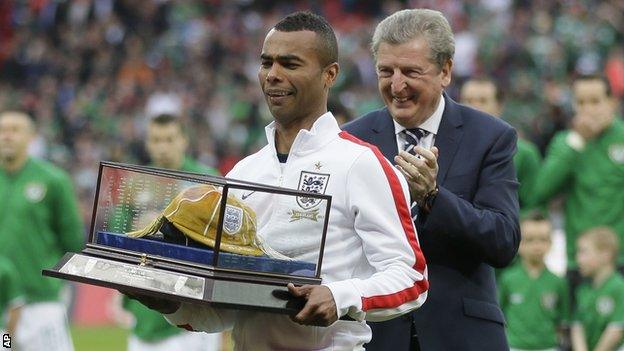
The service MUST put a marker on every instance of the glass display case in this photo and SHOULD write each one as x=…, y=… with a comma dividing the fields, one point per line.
x=199, y=238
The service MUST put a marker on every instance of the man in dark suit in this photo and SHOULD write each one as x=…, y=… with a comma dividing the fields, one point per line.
x=462, y=184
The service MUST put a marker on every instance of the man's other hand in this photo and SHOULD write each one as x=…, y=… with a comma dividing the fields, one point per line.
x=154, y=303
x=320, y=308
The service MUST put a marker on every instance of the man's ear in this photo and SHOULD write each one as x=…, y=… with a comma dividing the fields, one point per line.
x=447, y=69
x=330, y=73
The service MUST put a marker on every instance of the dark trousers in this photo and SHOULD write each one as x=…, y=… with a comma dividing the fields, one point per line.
x=396, y=334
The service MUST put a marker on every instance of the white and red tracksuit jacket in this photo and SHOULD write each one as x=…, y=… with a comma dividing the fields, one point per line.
x=372, y=261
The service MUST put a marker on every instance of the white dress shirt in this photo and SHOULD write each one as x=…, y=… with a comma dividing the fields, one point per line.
x=431, y=125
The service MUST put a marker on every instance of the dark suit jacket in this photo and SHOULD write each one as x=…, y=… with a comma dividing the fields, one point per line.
x=472, y=227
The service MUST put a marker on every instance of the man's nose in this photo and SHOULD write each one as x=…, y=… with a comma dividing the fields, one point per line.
x=274, y=74
x=585, y=111
x=397, y=82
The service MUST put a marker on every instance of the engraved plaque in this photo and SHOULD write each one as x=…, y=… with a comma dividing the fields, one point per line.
x=136, y=276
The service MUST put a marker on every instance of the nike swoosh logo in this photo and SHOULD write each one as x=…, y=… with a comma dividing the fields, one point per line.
x=247, y=195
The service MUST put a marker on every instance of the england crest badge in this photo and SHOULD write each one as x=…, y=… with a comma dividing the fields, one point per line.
x=233, y=219
x=313, y=183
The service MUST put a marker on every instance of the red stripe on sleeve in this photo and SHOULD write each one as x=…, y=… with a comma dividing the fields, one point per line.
x=412, y=293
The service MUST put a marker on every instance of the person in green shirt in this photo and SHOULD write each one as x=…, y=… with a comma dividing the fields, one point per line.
x=483, y=94
x=166, y=144
x=11, y=297
x=586, y=163
x=598, y=323
x=533, y=299
x=39, y=222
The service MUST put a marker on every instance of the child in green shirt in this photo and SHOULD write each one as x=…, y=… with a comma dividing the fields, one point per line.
x=533, y=299
x=599, y=316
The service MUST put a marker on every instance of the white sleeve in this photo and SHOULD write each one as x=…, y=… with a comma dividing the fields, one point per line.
x=202, y=318
x=377, y=195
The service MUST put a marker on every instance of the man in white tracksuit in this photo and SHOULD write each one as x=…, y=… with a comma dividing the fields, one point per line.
x=373, y=267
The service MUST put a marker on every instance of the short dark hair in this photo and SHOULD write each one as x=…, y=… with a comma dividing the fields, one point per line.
x=487, y=80
x=164, y=119
x=598, y=77
x=305, y=20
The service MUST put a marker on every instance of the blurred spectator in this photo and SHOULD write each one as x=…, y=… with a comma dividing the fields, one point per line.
x=166, y=145
x=614, y=69
x=587, y=164
x=39, y=222
x=483, y=94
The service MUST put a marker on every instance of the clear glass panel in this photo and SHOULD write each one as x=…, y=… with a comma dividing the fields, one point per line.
x=288, y=231
x=129, y=200
x=154, y=214
x=264, y=229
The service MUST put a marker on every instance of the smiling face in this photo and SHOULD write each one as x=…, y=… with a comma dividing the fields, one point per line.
x=294, y=83
x=409, y=82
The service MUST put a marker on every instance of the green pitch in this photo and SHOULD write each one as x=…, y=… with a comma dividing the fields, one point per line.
x=105, y=338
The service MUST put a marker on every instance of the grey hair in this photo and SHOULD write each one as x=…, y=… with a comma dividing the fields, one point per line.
x=406, y=25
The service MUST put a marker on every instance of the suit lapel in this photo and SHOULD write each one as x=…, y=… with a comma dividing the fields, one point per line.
x=448, y=137
x=383, y=135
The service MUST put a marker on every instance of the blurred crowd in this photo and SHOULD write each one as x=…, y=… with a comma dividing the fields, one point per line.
x=92, y=72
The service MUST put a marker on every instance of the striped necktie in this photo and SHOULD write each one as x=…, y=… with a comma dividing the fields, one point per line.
x=412, y=136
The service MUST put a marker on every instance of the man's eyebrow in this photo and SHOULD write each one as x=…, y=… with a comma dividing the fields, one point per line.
x=281, y=57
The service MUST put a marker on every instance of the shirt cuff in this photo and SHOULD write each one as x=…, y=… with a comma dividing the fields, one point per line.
x=347, y=297
x=575, y=141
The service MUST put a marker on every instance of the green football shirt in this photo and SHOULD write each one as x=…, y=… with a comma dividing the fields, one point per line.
x=527, y=162
x=599, y=307
x=592, y=181
x=150, y=325
x=39, y=222
x=534, y=307
x=190, y=165
x=10, y=289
